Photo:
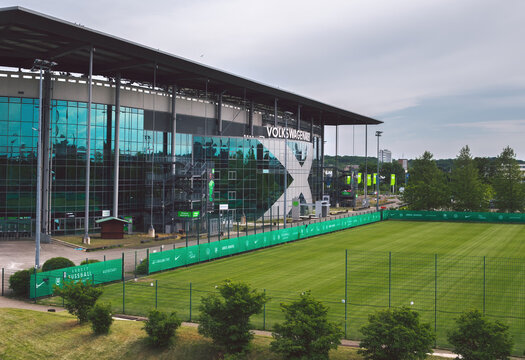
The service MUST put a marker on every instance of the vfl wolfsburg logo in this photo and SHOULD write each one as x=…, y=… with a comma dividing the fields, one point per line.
x=57, y=281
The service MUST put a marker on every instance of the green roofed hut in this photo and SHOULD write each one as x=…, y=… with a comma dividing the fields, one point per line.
x=112, y=227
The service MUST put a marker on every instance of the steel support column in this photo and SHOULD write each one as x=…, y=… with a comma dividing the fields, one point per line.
x=116, y=162
x=173, y=127
x=322, y=155
x=250, y=119
x=46, y=158
x=88, y=150
x=275, y=112
x=219, y=114
x=298, y=117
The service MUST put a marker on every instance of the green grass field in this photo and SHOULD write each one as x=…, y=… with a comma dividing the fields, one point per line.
x=443, y=268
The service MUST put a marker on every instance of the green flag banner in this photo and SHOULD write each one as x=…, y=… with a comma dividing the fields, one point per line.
x=348, y=180
x=375, y=178
x=392, y=179
x=368, y=179
x=359, y=178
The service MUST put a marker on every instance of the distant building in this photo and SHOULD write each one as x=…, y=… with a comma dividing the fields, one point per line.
x=404, y=163
x=385, y=156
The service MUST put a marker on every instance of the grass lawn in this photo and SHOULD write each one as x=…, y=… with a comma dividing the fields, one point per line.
x=30, y=334
x=439, y=287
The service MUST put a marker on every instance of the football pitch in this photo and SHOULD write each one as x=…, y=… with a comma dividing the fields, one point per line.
x=439, y=269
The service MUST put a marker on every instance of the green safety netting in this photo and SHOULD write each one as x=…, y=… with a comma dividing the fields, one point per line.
x=42, y=283
x=208, y=251
x=454, y=216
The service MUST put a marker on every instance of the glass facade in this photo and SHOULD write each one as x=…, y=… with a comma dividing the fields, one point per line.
x=249, y=172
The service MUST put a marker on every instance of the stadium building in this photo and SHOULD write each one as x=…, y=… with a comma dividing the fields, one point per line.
x=167, y=140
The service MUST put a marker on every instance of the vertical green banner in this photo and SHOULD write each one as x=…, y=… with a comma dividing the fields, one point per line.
x=368, y=179
x=392, y=179
x=375, y=178
x=359, y=175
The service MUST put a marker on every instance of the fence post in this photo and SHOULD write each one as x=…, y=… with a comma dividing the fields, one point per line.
x=2, y=281
x=156, y=293
x=389, y=279
x=278, y=219
x=264, y=313
x=35, y=285
x=435, y=295
x=87, y=261
x=190, y=301
x=238, y=228
x=484, y=282
x=228, y=221
x=104, y=257
x=147, y=258
x=122, y=266
x=346, y=287
x=255, y=224
x=123, y=296
x=263, y=223
x=271, y=219
x=135, y=269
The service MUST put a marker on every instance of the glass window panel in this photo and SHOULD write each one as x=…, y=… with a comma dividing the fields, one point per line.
x=14, y=111
x=4, y=113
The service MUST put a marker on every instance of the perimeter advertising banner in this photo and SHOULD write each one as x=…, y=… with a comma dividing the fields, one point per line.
x=97, y=273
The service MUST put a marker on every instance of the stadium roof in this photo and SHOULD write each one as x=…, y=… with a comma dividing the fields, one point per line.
x=26, y=35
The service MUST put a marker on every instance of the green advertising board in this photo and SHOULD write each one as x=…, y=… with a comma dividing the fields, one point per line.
x=97, y=273
x=172, y=259
x=454, y=216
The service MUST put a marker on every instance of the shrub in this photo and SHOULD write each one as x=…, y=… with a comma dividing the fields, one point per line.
x=226, y=318
x=101, y=318
x=90, y=261
x=161, y=327
x=476, y=337
x=306, y=332
x=20, y=281
x=142, y=269
x=57, y=263
x=396, y=334
x=79, y=297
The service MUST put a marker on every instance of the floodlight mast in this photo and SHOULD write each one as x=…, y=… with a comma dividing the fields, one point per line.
x=378, y=134
x=41, y=65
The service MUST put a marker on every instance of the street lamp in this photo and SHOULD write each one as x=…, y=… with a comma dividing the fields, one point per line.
x=42, y=65
x=378, y=134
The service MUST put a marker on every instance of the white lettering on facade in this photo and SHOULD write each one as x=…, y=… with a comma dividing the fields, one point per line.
x=287, y=133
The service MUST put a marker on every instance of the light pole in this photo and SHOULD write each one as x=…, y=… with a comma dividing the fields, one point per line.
x=286, y=114
x=378, y=134
x=42, y=65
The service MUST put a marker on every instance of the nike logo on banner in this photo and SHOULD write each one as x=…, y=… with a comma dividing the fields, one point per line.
x=38, y=285
x=177, y=258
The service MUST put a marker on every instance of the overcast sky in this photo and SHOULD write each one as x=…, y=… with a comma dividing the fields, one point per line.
x=441, y=74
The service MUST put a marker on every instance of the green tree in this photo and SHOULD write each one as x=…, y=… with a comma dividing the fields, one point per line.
x=467, y=190
x=477, y=338
x=79, y=296
x=161, y=327
x=508, y=183
x=426, y=187
x=226, y=317
x=396, y=334
x=306, y=332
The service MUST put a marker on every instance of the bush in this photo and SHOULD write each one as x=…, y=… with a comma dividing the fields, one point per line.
x=306, y=332
x=20, y=281
x=226, y=318
x=476, y=337
x=57, y=263
x=161, y=327
x=90, y=261
x=79, y=297
x=101, y=318
x=396, y=334
x=142, y=269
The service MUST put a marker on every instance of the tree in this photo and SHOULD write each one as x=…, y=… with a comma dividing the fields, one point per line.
x=226, y=318
x=477, y=338
x=396, y=334
x=467, y=190
x=306, y=332
x=508, y=183
x=57, y=263
x=101, y=318
x=79, y=296
x=20, y=282
x=426, y=187
x=161, y=327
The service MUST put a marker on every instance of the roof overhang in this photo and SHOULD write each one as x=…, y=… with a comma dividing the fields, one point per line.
x=26, y=35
